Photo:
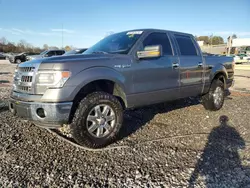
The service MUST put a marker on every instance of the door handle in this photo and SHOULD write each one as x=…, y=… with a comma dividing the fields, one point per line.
x=175, y=65
x=200, y=64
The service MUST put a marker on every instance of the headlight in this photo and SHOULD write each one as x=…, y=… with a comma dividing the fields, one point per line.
x=54, y=79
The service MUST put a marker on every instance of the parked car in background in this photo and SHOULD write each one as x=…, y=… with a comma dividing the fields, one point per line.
x=76, y=51
x=46, y=53
x=124, y=70
x=241, y=58
x=2, y=56
x=19, y=58
x=7, y=55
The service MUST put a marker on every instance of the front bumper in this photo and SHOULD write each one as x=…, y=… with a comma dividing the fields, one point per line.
x=229, y=83
x=56, y=114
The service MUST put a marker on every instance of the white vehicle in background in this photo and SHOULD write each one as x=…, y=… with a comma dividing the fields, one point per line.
x=241, y=58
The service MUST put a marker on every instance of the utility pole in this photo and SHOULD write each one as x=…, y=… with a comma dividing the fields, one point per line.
x=229, y=44
x=62, y=36
x=211, y=42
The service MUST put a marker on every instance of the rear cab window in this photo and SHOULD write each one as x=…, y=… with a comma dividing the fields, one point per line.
x=186, y=45
x=60, y=52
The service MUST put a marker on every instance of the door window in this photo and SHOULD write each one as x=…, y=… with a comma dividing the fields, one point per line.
x=51, y=53
x=159, y=39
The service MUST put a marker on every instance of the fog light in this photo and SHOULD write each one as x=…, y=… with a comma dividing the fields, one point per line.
x=41, y=113
x=11, y=106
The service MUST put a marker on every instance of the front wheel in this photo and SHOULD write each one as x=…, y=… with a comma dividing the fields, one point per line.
x=18, y=61
x=214, y=99
x=97, y=120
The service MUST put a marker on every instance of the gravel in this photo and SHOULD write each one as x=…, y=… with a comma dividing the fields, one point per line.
x=166, y=145
x=177, y=144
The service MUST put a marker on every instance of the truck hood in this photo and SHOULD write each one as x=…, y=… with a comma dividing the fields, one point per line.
x=78, y=63
x=80, y=57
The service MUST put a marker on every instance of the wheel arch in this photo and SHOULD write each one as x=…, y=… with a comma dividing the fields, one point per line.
x=94, y=80
x=219, y=72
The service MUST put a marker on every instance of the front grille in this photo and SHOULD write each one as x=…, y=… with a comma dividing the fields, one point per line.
x=26, y=69
x=26, y=79
x=25, y=89
x=23, y=79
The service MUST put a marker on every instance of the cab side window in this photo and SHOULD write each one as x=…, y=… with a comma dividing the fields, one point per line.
x=159, y=39
x=51, y=53
x=186, y=45
x=59, y=52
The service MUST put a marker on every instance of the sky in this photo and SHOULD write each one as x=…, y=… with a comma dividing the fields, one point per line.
x=85, y=22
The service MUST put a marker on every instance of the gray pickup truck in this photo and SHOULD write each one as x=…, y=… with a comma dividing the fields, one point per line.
x=90, y=91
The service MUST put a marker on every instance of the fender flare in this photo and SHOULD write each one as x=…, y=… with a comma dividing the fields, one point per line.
x=93, y=74
x=218, y=69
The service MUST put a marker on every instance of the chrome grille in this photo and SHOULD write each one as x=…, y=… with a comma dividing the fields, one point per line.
x=23, y=79
x=24, y=88
x=26, y=79
x=26, y=69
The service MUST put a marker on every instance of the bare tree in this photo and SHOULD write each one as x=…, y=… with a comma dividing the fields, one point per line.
x=53, y=48
x=45, y=46
x=3, y=41
x=234, y=36
x=72, y=47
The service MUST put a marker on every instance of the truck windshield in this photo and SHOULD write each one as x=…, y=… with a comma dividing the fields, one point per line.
x=119, y=43
x=44, y=52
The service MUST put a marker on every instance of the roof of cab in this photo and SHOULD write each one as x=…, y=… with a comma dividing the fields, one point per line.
x=158, y=30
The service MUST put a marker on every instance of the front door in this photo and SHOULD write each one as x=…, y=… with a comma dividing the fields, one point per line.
x=191, y=67
x=154, y=79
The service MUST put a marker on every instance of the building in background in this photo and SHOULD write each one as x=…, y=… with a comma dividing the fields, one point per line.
x=214, y=49
x=239, y=42
x=233, y=46
x=200, y=42
x=241, y=45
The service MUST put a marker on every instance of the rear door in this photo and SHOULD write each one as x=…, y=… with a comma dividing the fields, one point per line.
x=154, y=79
x=191, y=66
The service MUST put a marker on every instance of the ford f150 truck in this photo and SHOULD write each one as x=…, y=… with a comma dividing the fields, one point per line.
x=90, y=91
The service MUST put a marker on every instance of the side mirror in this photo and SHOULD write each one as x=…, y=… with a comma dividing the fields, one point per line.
x=150, y=52
x=46, y=55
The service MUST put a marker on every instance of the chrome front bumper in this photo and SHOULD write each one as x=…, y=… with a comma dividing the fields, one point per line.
x=229, y=83
x=56, y=114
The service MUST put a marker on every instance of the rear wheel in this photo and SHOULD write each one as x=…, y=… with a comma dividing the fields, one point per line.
x=214, y=99
x=97, y=120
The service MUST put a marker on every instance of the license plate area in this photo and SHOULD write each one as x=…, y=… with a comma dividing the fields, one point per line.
x=20, y=110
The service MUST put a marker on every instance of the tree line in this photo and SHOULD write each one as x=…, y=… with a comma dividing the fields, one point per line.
x=23, y=46
x=212, y=40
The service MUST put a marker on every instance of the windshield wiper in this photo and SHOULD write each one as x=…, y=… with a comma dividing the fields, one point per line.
x=99, y=52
